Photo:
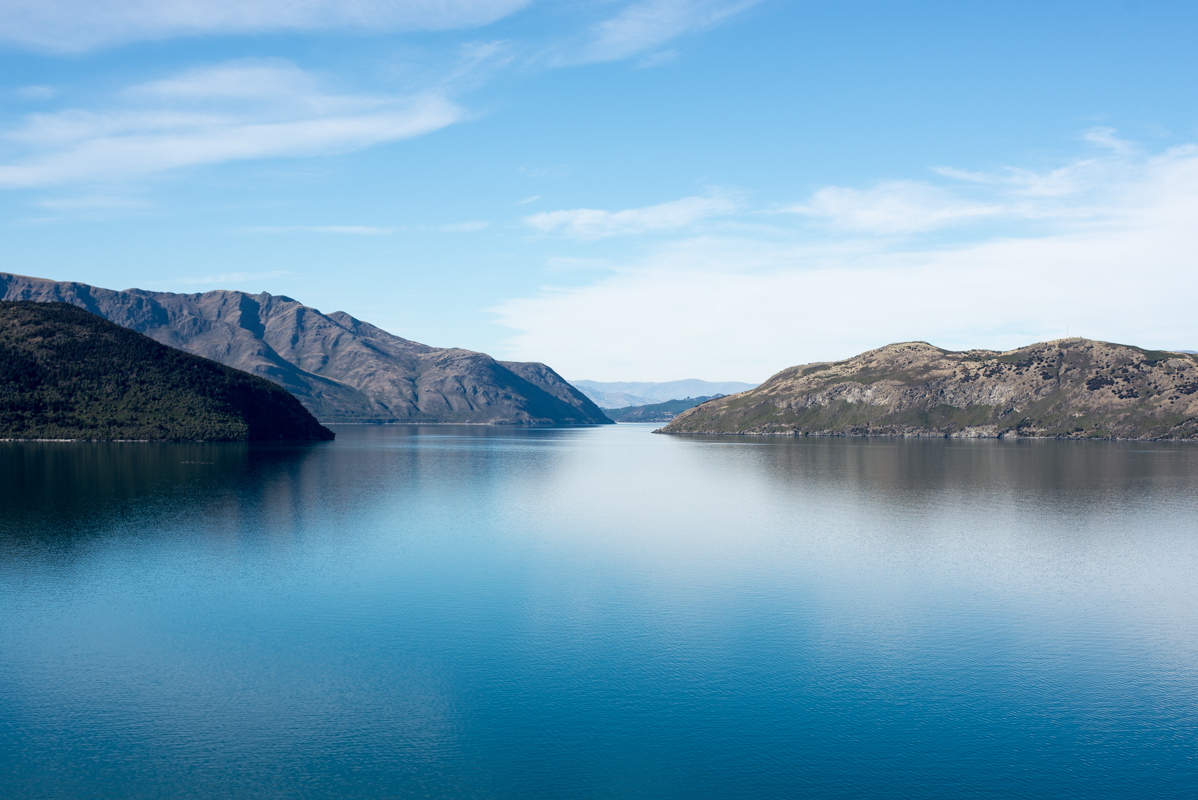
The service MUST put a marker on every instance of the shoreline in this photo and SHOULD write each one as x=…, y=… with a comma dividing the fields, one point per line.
x=997, y=437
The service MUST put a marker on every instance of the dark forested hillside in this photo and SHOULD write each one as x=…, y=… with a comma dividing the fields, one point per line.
x=656, y=412
x=68, y=374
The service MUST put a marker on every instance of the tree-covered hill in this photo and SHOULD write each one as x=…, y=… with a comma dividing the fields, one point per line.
x=656, y=412
x=68, y=374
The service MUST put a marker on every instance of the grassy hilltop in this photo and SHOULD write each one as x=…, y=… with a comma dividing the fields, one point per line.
x=68, y=374
x=1069, y=388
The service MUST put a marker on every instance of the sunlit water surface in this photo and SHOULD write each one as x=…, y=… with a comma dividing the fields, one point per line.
x=496, y=613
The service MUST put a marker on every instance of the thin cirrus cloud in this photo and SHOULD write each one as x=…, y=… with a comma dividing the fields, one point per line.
x=342, y=230
x=248, y=110
x=368, y=230
x=649, y=24
x=230, y=112
x=1011, y=194
x=35, y=92
x=91, y=203
x=593, y=223
x=468, y=226
x=67, y=26
x=1116, y=262
x=71, y=26
x=894, y=207
x=224, y=279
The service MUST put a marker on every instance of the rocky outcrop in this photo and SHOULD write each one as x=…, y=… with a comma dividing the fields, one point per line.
x=1069, y=388
x=342, y=369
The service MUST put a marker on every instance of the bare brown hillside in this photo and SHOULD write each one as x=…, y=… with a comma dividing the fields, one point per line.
x=1075, y=388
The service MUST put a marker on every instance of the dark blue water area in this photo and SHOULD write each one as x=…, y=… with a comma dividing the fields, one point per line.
x=433, y=612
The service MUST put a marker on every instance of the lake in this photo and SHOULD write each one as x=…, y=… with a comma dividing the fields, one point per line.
x=428, y=612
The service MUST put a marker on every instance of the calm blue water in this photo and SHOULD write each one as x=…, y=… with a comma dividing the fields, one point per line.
x=484, y=613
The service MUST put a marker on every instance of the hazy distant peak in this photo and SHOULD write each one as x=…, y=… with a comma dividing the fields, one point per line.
x=622, y=394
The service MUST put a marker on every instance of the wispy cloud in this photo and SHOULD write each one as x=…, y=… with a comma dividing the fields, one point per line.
x=564, y=264
x=893, y=207
x=1105, y=137
x=224, y=279
x=230, y=112
x=1115, y=261
x=91, y=202
x=544, y=172
x=591, y=223
x=71, y=26
x=36, y=92
x=465, y=227
x=657, y=59
x=629, y=28
x=647, y=24
x=343, y=230
x=1072, y=191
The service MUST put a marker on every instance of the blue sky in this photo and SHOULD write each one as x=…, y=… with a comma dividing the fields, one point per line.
x=624, y=189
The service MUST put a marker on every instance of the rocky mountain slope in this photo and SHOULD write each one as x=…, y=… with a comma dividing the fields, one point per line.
x=68, y=374
x=1074, y=388
x=340, y=368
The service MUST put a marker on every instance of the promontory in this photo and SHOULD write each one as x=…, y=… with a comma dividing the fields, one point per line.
x=1067, y=388
x=68, y=374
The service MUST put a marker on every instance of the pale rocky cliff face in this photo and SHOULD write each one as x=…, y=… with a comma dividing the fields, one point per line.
x=340, y=368
x=1073, y=388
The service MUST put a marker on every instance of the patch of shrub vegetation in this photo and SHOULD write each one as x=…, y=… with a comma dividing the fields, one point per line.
x=68, y=374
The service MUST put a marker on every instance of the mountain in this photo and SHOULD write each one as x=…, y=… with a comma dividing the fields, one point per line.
x=68, y=374
x=340, y=368
x=655, y=412
x=610, y=394
x=1072, y=388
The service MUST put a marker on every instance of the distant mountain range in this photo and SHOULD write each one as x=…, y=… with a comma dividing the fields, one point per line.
x=1068, y=388
x=623, y=394
x=68, y=374
x=340, y=368
x=656, y=412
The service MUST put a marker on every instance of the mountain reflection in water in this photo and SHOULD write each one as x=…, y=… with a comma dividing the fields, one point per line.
x=503, y=612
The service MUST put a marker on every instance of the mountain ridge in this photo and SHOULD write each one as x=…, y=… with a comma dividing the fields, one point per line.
x=1065, y=388
x=342, y=369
